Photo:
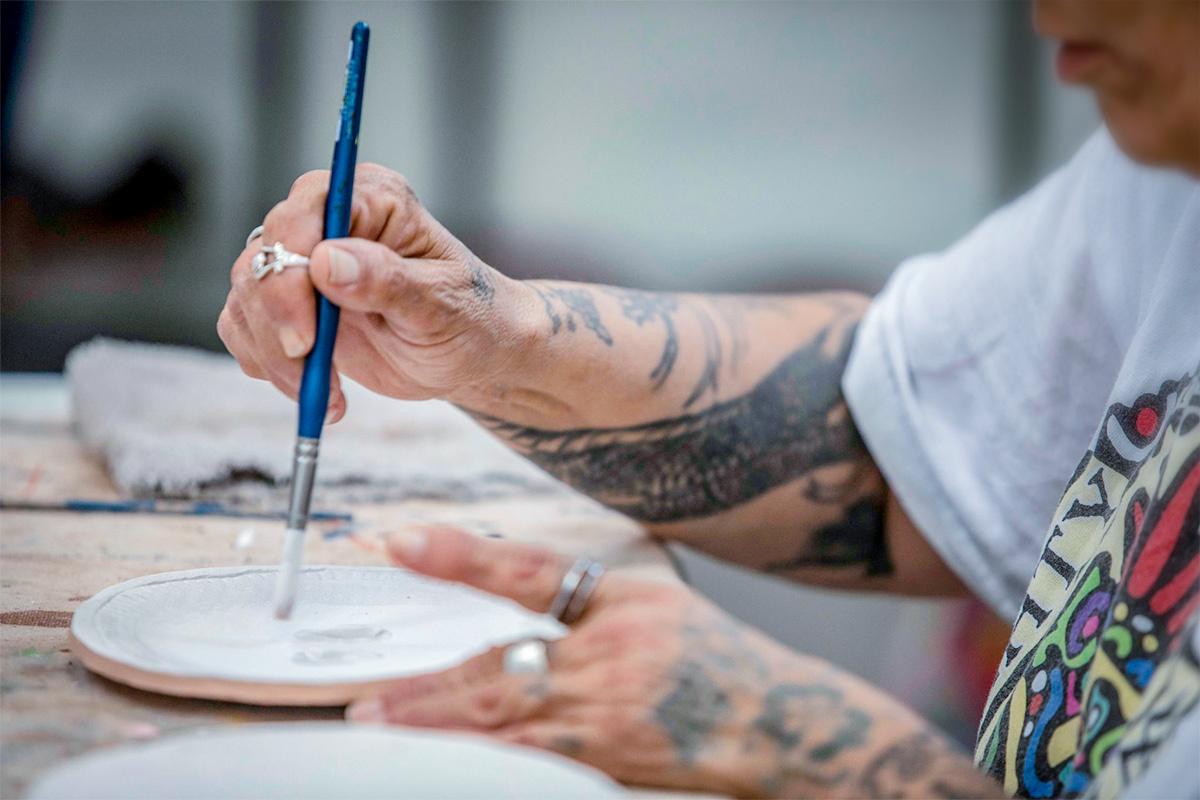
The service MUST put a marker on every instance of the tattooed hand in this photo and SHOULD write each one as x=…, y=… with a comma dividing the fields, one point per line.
x=421, y=316
x=656, y=686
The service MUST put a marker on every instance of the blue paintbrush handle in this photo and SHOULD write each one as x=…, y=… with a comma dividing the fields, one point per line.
x=314, y=385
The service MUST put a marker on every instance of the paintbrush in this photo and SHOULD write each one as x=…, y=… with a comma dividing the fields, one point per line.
x=201, y=508
x=314, y=384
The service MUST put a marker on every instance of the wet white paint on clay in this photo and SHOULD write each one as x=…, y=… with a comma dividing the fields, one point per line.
x=350, y=624
x=307, y=761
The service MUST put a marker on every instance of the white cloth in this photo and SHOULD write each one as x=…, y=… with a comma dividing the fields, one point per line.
x=1066, y=325
x=176, y=422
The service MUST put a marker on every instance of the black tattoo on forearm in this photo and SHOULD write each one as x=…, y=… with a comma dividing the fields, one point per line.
x=735, y=310
x=696, y=465
x=926, y=766
x=642, y=307
x=565, y=306
x=859, y=538
x=713, y=352
x=809, y=726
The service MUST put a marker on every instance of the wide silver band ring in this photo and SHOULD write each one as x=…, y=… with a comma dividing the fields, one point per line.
x=576, y=590
x=527, y=657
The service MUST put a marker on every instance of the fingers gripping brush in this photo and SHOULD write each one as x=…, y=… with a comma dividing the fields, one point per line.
x=314, y=384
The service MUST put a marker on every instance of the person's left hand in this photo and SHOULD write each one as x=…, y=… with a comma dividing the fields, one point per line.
x=653, y=685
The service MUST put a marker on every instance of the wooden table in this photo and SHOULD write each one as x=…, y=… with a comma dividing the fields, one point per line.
x=51, y=708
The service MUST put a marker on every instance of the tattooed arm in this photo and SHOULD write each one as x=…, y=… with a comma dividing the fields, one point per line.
x=716, y=420
x=657, y=686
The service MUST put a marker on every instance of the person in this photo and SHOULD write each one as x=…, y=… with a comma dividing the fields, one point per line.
x=916, y=443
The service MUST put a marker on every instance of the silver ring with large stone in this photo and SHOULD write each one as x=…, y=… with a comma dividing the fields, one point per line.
x=576, y=590
x=527, y=657
x=275, y=258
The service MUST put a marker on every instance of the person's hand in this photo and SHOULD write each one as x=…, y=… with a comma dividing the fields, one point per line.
x=656, y=686
x=421, y=315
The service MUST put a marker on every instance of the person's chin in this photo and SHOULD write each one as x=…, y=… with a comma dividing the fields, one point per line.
x=1146, y=135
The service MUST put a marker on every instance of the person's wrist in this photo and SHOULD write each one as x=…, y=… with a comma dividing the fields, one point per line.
x=512, y=376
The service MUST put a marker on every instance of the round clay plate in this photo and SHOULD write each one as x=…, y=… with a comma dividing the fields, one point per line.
x=320, y=761
x=211, y=632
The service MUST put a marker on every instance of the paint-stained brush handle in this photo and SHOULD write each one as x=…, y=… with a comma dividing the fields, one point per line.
x=314, y=385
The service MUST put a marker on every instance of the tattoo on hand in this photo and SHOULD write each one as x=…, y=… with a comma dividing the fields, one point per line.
x=692, y=710
x=699, y=464
x=481, y=281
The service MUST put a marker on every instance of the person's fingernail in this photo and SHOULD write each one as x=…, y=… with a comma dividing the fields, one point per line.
x=407, y=544
x=343, y=267
x=293, y=343
x=369, y=710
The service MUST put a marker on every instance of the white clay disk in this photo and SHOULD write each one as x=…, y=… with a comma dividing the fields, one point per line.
x=317, y=761
x=213, y=633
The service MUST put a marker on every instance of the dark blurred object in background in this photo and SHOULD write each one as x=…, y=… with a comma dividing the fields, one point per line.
x=53, y=232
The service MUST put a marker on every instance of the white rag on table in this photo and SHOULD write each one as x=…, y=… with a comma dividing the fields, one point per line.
x=182, y=423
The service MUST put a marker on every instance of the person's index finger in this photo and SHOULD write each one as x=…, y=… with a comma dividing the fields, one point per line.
x=296, y=224
x=529, y=575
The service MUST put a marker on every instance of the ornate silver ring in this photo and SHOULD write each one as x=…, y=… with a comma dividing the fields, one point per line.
x=275, y=258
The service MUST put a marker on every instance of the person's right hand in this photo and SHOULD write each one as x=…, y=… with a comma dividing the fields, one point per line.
x=421, y=316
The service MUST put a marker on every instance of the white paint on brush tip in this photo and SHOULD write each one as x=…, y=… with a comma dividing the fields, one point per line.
x=289, y=572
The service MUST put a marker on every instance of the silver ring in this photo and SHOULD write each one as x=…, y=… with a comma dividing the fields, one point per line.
x=275, y=258
x=254, y=234
x=527, y=657
x=576, y=590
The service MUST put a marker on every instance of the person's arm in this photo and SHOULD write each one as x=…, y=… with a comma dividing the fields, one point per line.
x=716, y=420
x=656, y=686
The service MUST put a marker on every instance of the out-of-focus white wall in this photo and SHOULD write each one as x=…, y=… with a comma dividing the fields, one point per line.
x=727, y=145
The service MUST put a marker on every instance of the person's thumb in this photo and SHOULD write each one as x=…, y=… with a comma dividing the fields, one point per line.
x=530, y=575
x=361, y=275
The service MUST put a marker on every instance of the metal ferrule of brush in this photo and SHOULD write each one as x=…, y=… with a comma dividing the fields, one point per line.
x=304, y=471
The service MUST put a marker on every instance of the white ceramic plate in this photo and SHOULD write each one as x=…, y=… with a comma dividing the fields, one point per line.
x=320, y=761
x=211, y=632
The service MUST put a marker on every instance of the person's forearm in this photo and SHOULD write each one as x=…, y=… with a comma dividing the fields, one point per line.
x=832, y=735
x=713, y=419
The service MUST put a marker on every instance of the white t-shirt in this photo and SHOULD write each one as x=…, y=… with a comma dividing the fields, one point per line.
x=1058, y=345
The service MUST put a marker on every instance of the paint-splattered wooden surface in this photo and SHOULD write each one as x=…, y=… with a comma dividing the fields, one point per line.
x=51, y=561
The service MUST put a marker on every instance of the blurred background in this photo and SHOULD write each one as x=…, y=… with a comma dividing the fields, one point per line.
x=717, y=146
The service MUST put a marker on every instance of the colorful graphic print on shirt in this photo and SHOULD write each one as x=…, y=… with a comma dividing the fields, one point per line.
x=1100, y=665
